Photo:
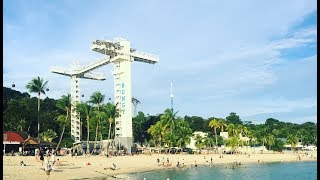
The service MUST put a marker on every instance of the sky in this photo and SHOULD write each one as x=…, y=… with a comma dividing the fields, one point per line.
x=255, y=58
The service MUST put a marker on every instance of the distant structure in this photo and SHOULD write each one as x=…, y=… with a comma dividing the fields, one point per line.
x=171, y=95
x=122, y=55
x=75, y=73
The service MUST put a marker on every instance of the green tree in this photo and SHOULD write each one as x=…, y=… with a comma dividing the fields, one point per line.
x=231, y=129
x=64, y=104
x=37, y=85
x=233, y=118
x=292, y=140
x=97, y=98
x=48, y=135
x=99, y=116
x=86, y=110
x=168, y=120
x=197, y=123
x=183, y=132
x=270, y=140
x=157, y=132
x=112, y=112
x=198, y=141
x=278, y=145
x=215, y=124
x=223, y=124
x=208, y=142
x=233, y=142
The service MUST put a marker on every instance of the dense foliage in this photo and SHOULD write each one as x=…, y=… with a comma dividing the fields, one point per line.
x=165, y=129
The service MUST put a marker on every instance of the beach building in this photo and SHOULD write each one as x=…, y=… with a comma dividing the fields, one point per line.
x=17, y=141
x=192, y=145
x=224, y=135
x=288, y=146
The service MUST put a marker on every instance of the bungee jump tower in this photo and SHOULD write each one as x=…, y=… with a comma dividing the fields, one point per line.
x=122, y=55
x=118, y=52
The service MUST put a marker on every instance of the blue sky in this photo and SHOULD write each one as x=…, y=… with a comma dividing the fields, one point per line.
x=255, y=58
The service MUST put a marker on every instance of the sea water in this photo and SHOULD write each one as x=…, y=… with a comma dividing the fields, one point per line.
x=265, y=171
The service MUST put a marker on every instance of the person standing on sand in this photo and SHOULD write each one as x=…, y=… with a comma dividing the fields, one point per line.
x=47, y=166
x=36, y=153
x=41, y=157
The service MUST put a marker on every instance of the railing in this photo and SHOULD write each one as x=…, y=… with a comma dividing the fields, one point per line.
x=144, y=54
x=92, y=65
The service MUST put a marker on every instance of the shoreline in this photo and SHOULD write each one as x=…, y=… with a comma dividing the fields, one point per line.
x=76, y=168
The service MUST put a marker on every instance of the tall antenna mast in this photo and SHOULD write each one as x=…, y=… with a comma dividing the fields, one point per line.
x=171, y=95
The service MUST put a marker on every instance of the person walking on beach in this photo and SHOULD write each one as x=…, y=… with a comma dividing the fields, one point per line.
x=178, y=164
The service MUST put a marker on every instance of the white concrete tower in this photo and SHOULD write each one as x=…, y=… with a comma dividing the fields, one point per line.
x=121, y=55
x=122, y=93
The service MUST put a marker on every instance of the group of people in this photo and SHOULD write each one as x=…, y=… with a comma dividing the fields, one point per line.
x=48, y=159
x=179, y=164
x=163, y=162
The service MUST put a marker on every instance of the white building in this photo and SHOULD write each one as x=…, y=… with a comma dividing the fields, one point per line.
x=193, y=141
x=224, y=135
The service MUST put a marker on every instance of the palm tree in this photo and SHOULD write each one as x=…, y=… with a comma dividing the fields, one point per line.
x=48, y=135
x=183, y=132
x=86, y=110
x=99, y=116
x=168, y=120
x=112, y=112
x=250, y=135
x=233, y=142
x=97, y=98
x=198, y=142
x=64, y=104
x=37, y=85
x=223, y=124
x=231, y=129
x=215, y=124
x=263, y=139
x=270, y=140
x=293, y=140
x=240, y=130
x=157, y=131
x=135, y=103
x=208, y=142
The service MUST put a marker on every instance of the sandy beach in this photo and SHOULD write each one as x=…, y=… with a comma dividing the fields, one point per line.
x=76, y=168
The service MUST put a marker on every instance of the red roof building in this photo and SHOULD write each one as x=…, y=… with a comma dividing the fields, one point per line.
x=10, y=137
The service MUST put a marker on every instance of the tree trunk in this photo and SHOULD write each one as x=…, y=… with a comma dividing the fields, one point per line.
x=100, y=140
x=95, y=139
x=109, y=138
x=88, y=133
x=38, y=117
x=61, y=136
x=215, y=132
x=112, y=141
x=63, y=128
